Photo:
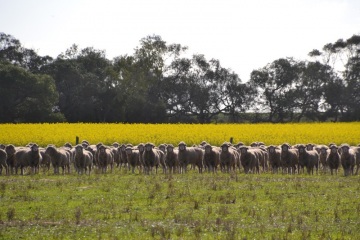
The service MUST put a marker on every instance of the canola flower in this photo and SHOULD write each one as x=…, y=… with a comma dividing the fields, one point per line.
x=215, y=134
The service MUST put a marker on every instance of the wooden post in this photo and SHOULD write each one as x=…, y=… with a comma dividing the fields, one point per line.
x=231, y=140
x=77, y=140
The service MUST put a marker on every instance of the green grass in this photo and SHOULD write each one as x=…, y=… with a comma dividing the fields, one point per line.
x=121, y=205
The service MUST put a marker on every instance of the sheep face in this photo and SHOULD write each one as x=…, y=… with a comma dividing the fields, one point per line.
x=10, y=150
x=224, y=148
x=271, y=149
x=162, y=147
x=334, y=149
x=141, y=147
x=323, y=150
x=34, y=148
x=302, y=149
x=79, y=148
x=345, y=149
x=170, y=148
x=284, y=147
x=102, y=148
x=149, y=147
x=208, y=149
x=310, y=147
x=123, y=148
x=128, y=150
x=115, y=145
x=243, y=150
x=182, y=146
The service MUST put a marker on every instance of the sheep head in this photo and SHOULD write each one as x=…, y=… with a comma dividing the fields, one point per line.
x=149, y=147
x=79, y=148
x=208, y=148
x=170, y=148
x=285, y=147
x=128, y=150
x=141, y=147
x=243, y=149
x=334, y=149
x=182, y=146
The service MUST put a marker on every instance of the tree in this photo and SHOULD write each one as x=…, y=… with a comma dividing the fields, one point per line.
x=85, y=84
x=343, y=94
x=26, y=97
x=232, y=96
x=312, y=89
x=143, y=79
x=274, y=86
x=12, y=51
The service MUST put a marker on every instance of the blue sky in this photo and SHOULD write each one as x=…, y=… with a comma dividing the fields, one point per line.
x=243, y=34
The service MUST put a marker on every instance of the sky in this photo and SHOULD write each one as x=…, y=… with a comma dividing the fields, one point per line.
x=243, y=35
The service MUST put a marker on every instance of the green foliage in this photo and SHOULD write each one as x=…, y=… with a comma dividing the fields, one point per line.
x=26, y=97
x=158, y=84
x=189, y=206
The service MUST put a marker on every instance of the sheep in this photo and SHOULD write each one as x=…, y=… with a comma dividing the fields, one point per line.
x=274, y=158
x=162, y=148
x=70, y=148
x=36, y=158
x=171, y=158
x=45, y=160
x=59, y=158
x=11, y=160
x=308, y=159
x=333, y=159
x=85, y=143
x=93, y=150
x=28, y=157
x=229, y=157
x=289, y=158
x=357, y=158
x=190, y=155
x=203, y=144
x=83, y=159
x=3, y=164
x=323, y=152
x=122, y=155
x=249, y=159
x=310, y=146
x=239, y=144
x=141, y=148
x=151, y=157
x=211, y=157
x=133, y=157
x=105, y=158
x=347, y=158
x=263, y=156
x=115, y=149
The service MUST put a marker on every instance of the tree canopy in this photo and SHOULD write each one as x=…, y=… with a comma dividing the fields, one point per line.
x=160, y=83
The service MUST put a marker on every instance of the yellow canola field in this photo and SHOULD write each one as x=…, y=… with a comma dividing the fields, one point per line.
x=216, y=134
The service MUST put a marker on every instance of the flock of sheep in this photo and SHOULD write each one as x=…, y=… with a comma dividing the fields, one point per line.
x=147, y=158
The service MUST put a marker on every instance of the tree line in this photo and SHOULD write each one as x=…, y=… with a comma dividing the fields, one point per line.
x=159, y=84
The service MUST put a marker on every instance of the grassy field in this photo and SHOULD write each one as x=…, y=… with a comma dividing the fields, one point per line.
x=121, y=205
